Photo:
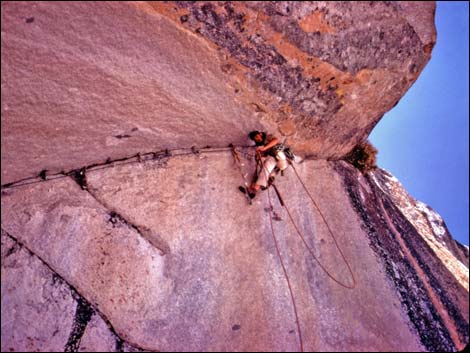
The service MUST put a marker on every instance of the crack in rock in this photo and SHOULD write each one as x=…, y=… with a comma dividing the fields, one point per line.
x=83, y=315
x=115, y=218
x=84, y=311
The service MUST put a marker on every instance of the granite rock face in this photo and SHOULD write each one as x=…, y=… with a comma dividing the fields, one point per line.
x=85, y=82
x=323, y=72
x=41, y=312
x=177, y=261
x=122, y=225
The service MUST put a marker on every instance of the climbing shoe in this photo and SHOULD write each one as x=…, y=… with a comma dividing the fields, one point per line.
x=245, y=191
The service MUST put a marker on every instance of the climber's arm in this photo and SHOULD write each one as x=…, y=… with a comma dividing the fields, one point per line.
x=272, y=143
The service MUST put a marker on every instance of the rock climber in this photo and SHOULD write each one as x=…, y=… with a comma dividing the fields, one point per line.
x=270, y=154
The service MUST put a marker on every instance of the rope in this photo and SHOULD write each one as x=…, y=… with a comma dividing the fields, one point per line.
x=285, y=272
x=271, y=216
x=331, y=233
x=281, y=201
x=271, y=211
x=291, y=292
x=137, y=158
x=240, y=168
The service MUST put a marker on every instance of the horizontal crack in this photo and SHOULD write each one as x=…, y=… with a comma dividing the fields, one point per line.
x=42, y=176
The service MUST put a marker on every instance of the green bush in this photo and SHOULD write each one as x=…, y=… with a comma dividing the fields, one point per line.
x=363, y=157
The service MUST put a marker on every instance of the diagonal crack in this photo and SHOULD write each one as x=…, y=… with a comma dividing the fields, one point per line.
x=115, y=217
x=83, y=314
x=84, y=311
x=79, y=176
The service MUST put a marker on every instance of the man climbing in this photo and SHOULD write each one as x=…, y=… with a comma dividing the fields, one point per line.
x=270, y=154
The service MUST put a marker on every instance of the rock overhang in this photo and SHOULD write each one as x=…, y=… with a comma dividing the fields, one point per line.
x=85, y=83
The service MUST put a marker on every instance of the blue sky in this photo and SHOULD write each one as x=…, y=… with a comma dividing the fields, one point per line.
x=423, y=141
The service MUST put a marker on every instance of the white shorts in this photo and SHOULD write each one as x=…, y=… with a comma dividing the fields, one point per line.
x=269, y=164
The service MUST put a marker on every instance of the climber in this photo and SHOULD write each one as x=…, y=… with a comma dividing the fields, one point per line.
x=270, y=154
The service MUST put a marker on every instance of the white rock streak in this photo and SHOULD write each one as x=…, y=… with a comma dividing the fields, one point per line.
x=427, y=222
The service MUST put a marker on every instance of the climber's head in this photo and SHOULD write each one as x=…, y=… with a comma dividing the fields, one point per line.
x=257, y=136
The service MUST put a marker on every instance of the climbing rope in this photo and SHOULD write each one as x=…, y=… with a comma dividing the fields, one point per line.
x=241, y=165
x=271, y=216
x=109, y=163
x=353, y=285
x=178, y=152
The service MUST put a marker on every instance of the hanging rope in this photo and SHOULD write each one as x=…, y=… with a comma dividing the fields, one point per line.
x=271, y=216
x=353, y=285
x=242, y=171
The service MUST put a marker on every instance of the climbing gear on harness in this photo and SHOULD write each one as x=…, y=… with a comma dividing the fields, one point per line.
x=281, y=147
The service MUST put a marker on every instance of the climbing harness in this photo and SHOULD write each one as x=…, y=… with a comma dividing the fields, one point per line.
x=281, y=147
